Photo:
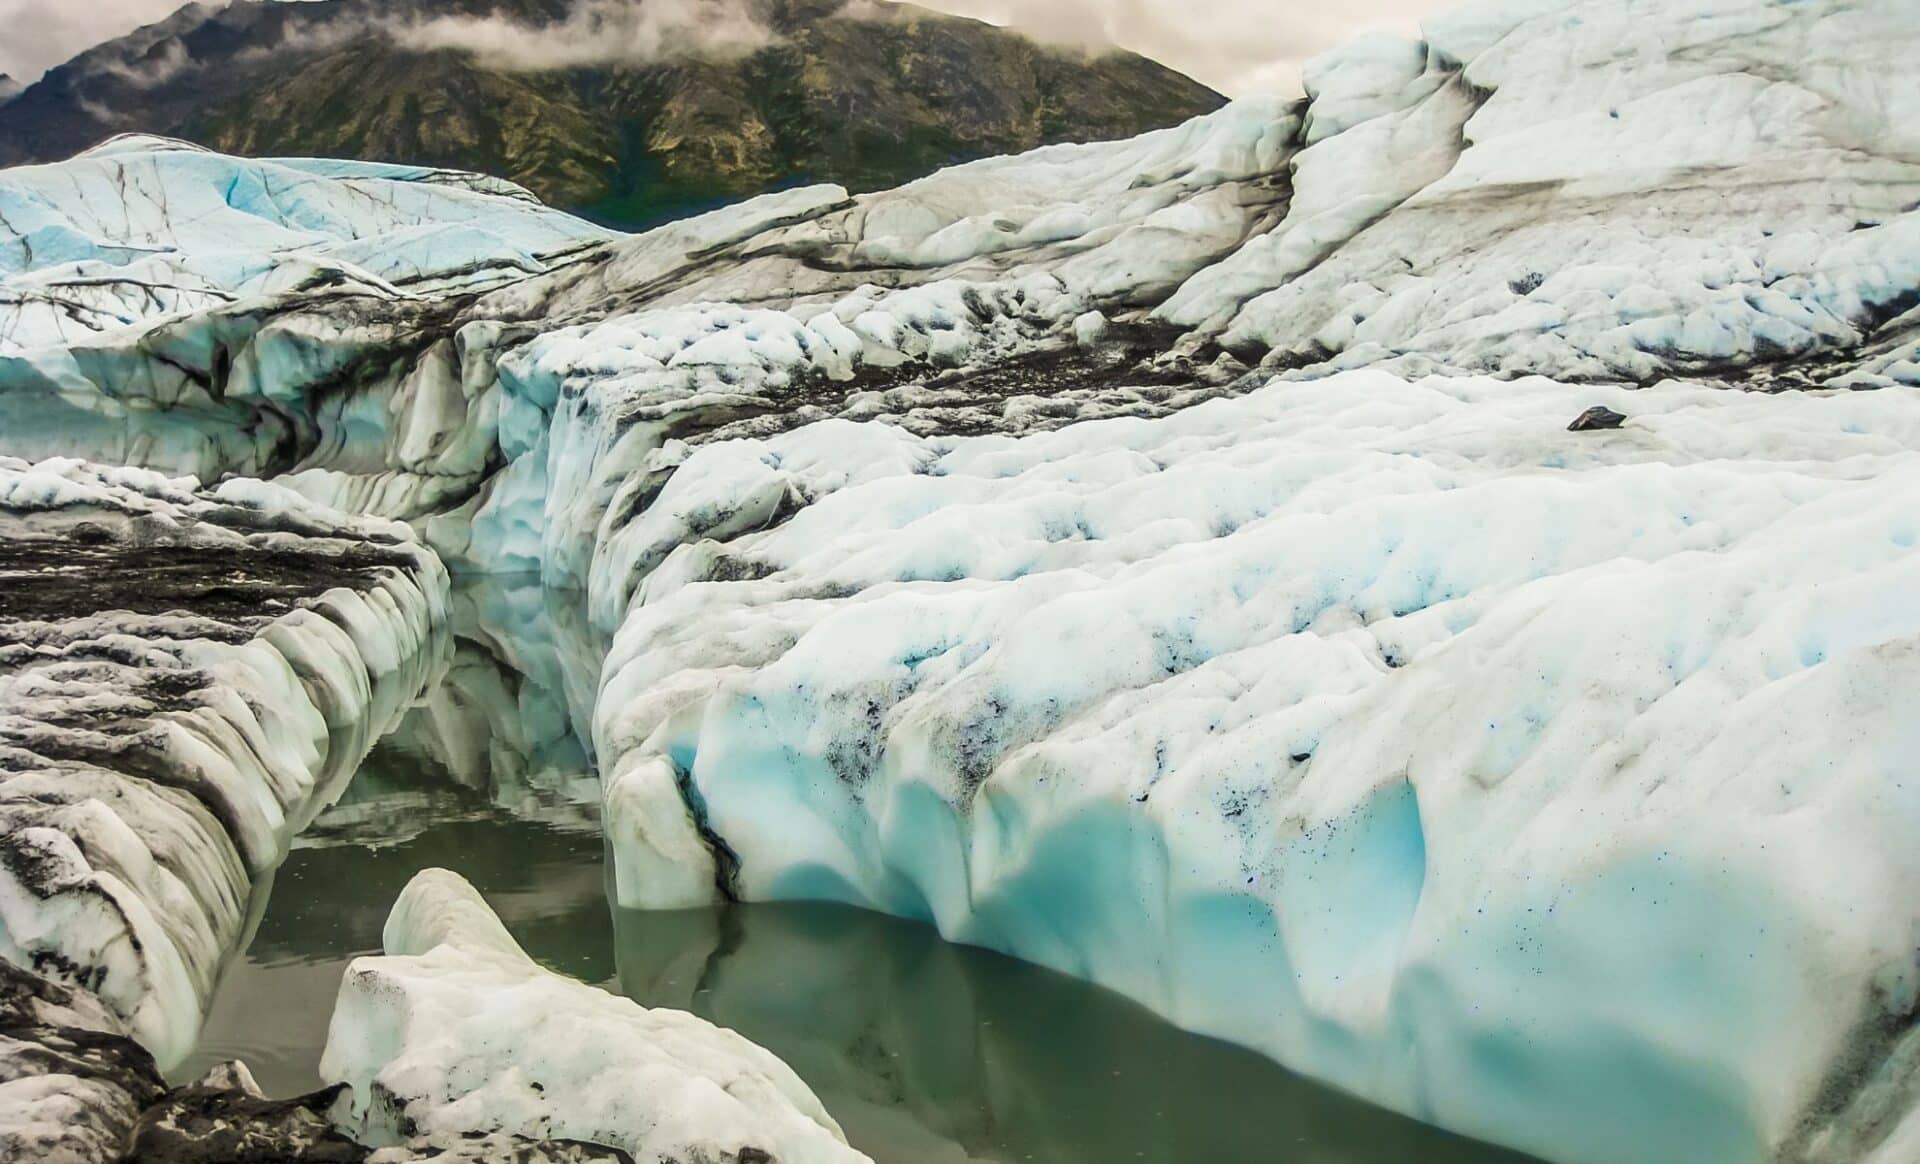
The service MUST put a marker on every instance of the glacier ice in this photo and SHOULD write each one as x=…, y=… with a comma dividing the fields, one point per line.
x=186, y=677
x=74, y=1082
x=456, y=1031
x=166, y=306
x=1549, y=786
x=1637, y=189
x=1168, y=560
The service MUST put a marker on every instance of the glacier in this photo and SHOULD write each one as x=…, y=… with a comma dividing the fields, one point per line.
x=1168, y=560
x=168, y=307
x=156, y=761
x=1519, y=778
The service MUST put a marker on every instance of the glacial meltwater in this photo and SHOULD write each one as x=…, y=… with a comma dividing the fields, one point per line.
x=925, y=1052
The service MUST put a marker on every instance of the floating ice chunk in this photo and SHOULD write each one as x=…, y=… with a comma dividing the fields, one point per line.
x=456, y=1031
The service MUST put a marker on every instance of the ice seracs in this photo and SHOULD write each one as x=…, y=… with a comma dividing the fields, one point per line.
x=455, y=1031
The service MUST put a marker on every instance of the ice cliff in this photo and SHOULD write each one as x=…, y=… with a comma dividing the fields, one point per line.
x=186, y=677
x=1168, y=560
x=1518, y=778
x=168, y=307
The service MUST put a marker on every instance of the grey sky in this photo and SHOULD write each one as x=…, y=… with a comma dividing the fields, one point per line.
x=1237, y=46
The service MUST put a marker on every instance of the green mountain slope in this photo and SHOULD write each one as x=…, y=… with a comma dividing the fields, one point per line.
x=868, y=97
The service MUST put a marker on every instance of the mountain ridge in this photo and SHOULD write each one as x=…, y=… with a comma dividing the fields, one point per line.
x=865, y=95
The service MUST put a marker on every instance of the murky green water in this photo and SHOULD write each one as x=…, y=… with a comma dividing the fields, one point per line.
x=926, y=1052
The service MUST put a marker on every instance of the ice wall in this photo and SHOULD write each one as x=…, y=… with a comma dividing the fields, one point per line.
x=1553, y=787
x=186, y=678
x=165, y=306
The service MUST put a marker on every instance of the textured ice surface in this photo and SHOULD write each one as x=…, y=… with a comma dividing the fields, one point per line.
x=1596, y=189
x=1588, y=189
x=1551, y=786
x=72, y=1083
x=174, y=308
x=186, y=677
x=886, y=308
x=314, y=357
x=457, y=1031
x=1010, y=551
x=82, y=234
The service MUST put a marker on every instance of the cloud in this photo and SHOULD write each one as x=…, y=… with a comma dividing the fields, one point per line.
x=1237, y=46
x=168, y=60
x=598, y=32
x=42, y=33
x=159, y=67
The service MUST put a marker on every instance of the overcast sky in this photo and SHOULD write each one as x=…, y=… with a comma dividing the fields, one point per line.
x=1237, y=46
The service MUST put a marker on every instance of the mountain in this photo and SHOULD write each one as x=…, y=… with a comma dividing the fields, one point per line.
x=865, y=94
x=9, y=88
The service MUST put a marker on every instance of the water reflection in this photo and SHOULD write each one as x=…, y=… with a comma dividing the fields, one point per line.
x=506, y=729
x=931, y=1052
x=927, y=1053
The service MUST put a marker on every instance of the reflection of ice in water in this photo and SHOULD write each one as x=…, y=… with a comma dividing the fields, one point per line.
x=927, y=1053
x=507, y=729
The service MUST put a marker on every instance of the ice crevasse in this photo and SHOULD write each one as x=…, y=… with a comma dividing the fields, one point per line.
x=156, y=761
x=187, y=677
x=1167, y=560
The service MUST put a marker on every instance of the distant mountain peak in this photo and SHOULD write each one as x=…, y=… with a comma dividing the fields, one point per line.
x=599, y=108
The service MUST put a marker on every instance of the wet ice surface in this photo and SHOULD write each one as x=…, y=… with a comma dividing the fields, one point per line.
x=924, y=1051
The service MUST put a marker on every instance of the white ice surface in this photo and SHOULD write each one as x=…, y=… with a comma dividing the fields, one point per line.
x=136, y=845
x=455, y=1030
x=1646, y=187
x=1552, y=787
